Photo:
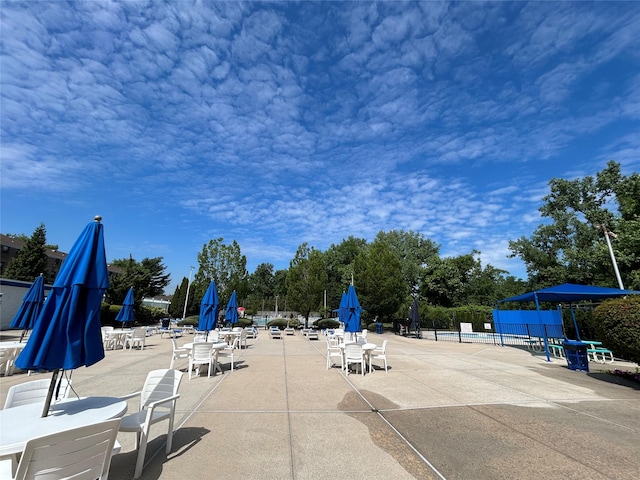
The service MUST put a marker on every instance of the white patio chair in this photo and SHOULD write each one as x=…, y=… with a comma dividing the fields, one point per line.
x=213, y=336
x=7, y=360
x=35, y=391
x=228, y=352
x=136, y=338
x=179, y=353
x=82, y=453
x=380, y=353
x=201, y=354
x=243, y=338
x=333, y=351
x=353, y=354
x=157, y=403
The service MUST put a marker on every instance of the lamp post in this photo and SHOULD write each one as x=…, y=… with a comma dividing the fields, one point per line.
x=276, y=306
x=186, y=299
x=608, y=234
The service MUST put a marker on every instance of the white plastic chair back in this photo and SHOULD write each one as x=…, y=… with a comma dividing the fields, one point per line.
x=159, y=384
x=353, y=353
x=35, y=391
x=82, y=453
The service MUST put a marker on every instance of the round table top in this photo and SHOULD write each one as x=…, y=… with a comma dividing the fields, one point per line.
x=214, y=345
x=13, y=344
x=365, y=346
x=19, y=424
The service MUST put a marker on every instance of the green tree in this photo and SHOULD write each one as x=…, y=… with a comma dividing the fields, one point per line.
x=31, y=260
x=176, y=307
x=261, y=287
x=570, y=247
x=280, y=288
x=445, y=280
x=148, y=279
x=224, y=264
x=306, y=281
x=379, y=281
x=339, y=261
x=413, y=251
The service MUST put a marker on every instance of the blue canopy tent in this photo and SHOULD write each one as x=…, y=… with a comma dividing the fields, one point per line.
x=567, y=293
x=209, y=309
x=126, y=312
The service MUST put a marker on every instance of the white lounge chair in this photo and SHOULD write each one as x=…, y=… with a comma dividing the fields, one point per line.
x=275, y=333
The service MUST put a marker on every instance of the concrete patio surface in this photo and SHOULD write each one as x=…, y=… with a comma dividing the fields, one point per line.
x=443, y=411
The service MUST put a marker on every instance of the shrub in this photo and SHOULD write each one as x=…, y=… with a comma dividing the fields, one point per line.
x=192, y=320
x=617, y=324
x=326, y=323
x=282, y=323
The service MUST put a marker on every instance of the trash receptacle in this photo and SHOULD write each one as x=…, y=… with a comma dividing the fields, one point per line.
x=576, y=353
x=379, y=328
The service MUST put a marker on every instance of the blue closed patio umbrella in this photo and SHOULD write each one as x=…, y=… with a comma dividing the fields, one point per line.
x=414, y=316
x=231, y=314
x=353, y=309
x=66, y=335
x=126, y=312
x=209, y=309
x=342, y=309
x=30, y=308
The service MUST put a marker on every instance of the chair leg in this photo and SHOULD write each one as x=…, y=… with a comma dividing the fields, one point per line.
x=170, y=431
x=142, y=450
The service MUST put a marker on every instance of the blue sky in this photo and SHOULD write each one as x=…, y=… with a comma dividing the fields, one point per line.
x=275, y=124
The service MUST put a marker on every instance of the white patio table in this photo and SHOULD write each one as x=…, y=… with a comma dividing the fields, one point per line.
x=19, y=424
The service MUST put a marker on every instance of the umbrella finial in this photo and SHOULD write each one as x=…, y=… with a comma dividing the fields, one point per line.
x=97, y=218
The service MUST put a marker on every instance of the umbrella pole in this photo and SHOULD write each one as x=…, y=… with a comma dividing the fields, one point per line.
x=52, y=386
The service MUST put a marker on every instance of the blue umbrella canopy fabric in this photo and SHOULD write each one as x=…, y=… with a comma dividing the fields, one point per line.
x=414, y=316
x=31, y=305
x=231, y=314
x=66, y=334
x=352, y=322
x=209, y=309
x=342, y=309
x=126, y=313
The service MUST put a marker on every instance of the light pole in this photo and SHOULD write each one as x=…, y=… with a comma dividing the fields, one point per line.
x=276, y=306
x=608, y=234
x=186, y=299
